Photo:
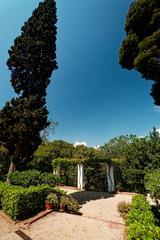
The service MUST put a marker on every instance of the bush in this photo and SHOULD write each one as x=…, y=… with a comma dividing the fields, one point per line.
x=152, y=184
x=21, y=203
x=25, y=178
x=141, y=221
x=69, y=204
x=124, y=209
x=141, y=211
x=59, y=192
x=32, y=178
x=143, y=232
x=139, y=202
x=49, y=178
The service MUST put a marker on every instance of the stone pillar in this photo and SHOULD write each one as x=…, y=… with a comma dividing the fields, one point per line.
x=57, y=171
x=80, y=176
x=110, y=178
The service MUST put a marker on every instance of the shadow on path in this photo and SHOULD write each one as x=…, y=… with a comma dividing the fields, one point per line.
x=23, y=235
x=86, y=196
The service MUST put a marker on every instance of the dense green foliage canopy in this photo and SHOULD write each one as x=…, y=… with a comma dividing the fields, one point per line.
x=152, y=184
x=140, y=49
x=32, y=60
x=58, y=152
x=48, y=151
x=116, y=147
x=133, y=158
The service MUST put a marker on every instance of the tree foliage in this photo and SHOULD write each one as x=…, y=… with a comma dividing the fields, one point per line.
x=32, y=60
x=116, y=147
x=4, y=159
x=133, y=157
x=20, y=124
x=152, y=184
x=48, y=151
x=140, y=50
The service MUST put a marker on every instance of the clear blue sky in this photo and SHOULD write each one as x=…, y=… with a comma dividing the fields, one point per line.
x=90, y=95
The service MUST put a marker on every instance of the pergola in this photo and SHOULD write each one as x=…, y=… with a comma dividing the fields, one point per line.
x=80, y=172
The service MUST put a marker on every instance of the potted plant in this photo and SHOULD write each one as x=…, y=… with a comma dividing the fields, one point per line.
x=51, y=201
x=48, y=202
x=63, y=203
x=54, y=200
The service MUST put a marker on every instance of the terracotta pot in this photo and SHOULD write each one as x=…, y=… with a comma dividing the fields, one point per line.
x=48, y=206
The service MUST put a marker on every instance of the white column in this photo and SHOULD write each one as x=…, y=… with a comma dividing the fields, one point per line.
x=57, y=171
x=80, y=176
x=110, y=178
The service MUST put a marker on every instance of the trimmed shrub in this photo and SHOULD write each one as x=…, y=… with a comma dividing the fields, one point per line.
x=25, y=178
x=20, y=203
x=139, y=202
x=49, y=178
x=141, y=221
x=3, y=187
x=124, y=209
x=143, y=232
x=141, y=211
x=32, y=178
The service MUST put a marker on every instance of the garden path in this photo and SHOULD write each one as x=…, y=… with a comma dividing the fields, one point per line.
x=100, y=220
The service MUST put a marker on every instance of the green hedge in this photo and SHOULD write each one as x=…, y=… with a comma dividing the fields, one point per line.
x=20, y=203
x=3, y=187
x=139, y=231
x=141, y=221
x=33, y=178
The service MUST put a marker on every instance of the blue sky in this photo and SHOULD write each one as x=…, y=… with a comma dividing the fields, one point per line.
x=90, y=95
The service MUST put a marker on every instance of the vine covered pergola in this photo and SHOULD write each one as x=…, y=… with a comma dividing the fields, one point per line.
x=57, y=163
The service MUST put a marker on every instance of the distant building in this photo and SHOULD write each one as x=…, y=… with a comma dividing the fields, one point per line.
x=97, y=146
x=80, y=143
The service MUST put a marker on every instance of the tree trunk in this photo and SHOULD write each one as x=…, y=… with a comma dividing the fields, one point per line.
x=12, y=168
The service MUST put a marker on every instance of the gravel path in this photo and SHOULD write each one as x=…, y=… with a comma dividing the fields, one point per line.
x=100, y=221
x=7, y=230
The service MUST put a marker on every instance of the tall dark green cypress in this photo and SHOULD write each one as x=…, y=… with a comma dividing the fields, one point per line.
x=32, y=59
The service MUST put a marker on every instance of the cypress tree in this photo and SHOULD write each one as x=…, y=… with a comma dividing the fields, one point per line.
x=32, y=59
